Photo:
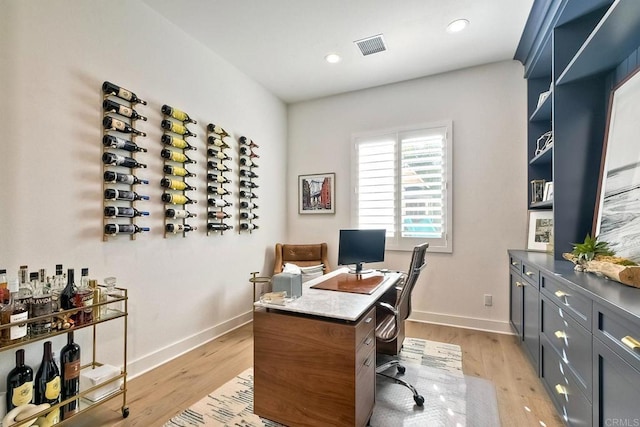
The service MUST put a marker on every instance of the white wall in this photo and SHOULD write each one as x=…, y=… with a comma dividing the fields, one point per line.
x=54, y=57
x=487, y=105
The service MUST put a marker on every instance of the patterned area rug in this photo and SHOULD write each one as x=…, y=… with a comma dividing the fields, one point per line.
x=435, y=369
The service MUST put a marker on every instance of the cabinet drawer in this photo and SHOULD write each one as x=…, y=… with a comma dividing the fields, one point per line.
x=515, y=264
x=531, y=274
x=619, y=334
x=572, y=302
x=574, y=408
x=366, y=348
x=365, y=325
x=570, y=340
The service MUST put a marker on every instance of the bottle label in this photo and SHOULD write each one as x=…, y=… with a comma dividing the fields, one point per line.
x=125, y=111
x=19, y=331
x=125, y=94
x=180, y=115
x=117, y=124
x=72, y=370
x=22, y=394
x=52, y=389
x=53, y=417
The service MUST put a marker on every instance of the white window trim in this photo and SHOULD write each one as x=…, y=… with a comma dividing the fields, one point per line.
x=444, y=245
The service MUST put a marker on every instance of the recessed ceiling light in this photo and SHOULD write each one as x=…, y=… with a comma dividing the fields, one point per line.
x=457, y=25
x=332, y=58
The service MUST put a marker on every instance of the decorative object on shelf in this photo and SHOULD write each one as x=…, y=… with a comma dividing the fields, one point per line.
x=218, y=182
x=119, y=134
x=537, y=190
x=548, y=192
x=543, y=97
x=247, y=176
x=316, y=193
x=540, y=231
x=174, y=183
x=544, y=142
x=617, y=211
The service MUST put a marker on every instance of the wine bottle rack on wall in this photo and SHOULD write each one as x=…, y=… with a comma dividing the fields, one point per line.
x=178, y=193
x=218, y=180
x=120, y=182
x=248, y=177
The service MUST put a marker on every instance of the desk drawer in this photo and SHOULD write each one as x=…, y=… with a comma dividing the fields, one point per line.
x=366, y=350
x=619, y=334
x=531, y=274
x=365, y=325
x=575, y=304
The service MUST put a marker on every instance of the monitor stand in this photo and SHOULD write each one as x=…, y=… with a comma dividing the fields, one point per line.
x=359, y=271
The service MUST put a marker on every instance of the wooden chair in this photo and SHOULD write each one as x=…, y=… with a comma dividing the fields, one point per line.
x=301, y=255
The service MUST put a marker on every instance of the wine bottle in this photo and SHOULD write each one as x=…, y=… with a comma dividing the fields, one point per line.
x=113, y=229
x=217, y=178
x=123, y=212
x=118, y=160
x=218, y=215
x=248, y=195
x=219, y=166
x=177, y=114
x=247, y=152
x=122, y=178
x=247, y=226
x=217, y=142
x=248, y=173
x=177, y=199
x=174, y=184
x=123, y=110
x=176, y=142
x=47, y=385
x=245, y=161
x=248, y=205
x=114, y=194
x=246, y=141
x=115, y=142
x=111, y=123
x=219, y=203
x=248, y=184
x=217, y=130
x=70, y=375
x=217, y=190
x=179, y=228
x=69, y=291
x=15, y=311
x=175, y=156
x=177, y=171
x=19, y=383
x=179, y=213
x=218, y=226
x=218, y=154
x=176, y=128
x=113, y=89
x=248, y=215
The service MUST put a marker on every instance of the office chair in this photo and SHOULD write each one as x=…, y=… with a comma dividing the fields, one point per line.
x=301, y=255
x=391, y=317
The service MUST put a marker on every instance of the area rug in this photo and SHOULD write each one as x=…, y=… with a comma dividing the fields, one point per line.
x=435, y=369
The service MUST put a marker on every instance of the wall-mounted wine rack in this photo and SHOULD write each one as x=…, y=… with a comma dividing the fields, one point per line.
x=218, y=181
x=248, y=185
x=119, y=133
x=174, y=183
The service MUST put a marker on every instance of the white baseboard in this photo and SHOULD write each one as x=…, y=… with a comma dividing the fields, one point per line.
x=164, y=355
x=487, y=325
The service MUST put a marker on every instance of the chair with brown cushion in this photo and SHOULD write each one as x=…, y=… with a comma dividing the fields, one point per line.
x=301, y=255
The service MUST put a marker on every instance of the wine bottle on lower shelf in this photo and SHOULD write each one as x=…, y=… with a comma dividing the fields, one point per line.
x=175, y=184
x=176, y=142
x=111, y=123
x=248, y=184
x=217, y=190
x=248, y=215
x=177, y=199
x=176, y=156
x=248, y=195
x=112, y=177
x=122, y=144
x=217, y=142
x=218, y=215
x=218, y=154
x=217, y=178
x=113, y=89
x=123, y=110
x=118, y=160
x=221, y=167
x=47, y=385
x=114, y=194
x=70, y=375
x=179, y=213
x=218, y=226
x=123, y=212
x=113, y=229
x=217, y=130
x=220, y=203
x=179, y=228
x=245, y=161
x=248, y=205
x=248, y=173
x=19, y=383
x=177, y=114
x=177, y=171
x=246, y=141
x=176, y=128
x=247, y=226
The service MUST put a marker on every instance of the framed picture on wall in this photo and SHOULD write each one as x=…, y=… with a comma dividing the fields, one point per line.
x=316, y=193
x=540, y=231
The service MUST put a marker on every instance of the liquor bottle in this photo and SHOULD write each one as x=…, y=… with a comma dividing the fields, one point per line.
x=248, y=173
x=177, y=114
x=177, y=199
x=176, y=142
x=218, y=154
x=248, y=195
x=14, y=311
x=176, y=128
x=69, y=291
x=247, y=152
x=217, y=178
x=218, y=215
x=218, y=165
x=245, y=161
x=246, y=141
x=217, y=130
x=217, y=142
x=114, y=194
x=179, y=213
x=40, y=305
x=217, y=190
x=111, y=123
x=248, y=215
x=118, y=160
x=123, y=110
x=177, y=171
x=123, y=212
x=174, y=184
x=122, y=144
x=219, y=203
x=179, y=228
x=248, y=184
x=57, y=286
x=19, y=383
x=218, y=226
x=70, y=376
x=4, y=288
x=113, y=229
x=113, y=89
x=248, y=205
x=175, y=156
x=247, y=226
x=112, y=177
x=47, y=385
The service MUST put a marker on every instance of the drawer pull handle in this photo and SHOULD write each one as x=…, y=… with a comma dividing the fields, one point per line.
x=560, y=389
x=368, y=341
x=518, y=284
x=529, y=273
x=560, y=294
x=514, y=263
x=631, y=342
x=560, y=334
x=368, y=320
x=367, y=362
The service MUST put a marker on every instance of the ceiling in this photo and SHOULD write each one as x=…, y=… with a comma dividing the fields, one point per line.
x=282, y=43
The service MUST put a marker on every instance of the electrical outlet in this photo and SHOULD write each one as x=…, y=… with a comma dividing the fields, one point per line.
x=488, y=300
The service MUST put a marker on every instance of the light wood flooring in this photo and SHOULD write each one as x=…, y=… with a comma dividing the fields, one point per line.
x=156, y=396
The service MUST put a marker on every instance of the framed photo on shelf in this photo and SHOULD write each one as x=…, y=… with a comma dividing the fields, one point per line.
x=540, y=231
x=537, y=190
x=548, y=191
x=316, y=193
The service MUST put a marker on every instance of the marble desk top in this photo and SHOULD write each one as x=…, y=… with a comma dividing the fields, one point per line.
x=333, y=304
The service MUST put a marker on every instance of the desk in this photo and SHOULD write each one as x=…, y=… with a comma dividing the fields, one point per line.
x=314, y=358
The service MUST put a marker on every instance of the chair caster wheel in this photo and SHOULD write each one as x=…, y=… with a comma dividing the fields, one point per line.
x=125, y=412
x=401, y=369
x=419, y=400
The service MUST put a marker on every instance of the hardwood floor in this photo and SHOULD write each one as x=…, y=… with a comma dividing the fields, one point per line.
x=156, y=396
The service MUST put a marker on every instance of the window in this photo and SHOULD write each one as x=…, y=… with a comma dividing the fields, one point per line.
x=402, y=182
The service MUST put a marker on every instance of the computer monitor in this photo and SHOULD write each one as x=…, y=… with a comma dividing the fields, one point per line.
x=360, y=246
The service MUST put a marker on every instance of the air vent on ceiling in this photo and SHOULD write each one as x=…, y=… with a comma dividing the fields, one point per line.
x=369, y=45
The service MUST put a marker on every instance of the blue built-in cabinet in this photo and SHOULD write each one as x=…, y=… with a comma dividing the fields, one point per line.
x=578, y=50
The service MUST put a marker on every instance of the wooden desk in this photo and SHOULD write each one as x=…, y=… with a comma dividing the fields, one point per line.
x=315, y=357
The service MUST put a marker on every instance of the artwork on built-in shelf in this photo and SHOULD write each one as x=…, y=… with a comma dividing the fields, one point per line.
x=617, y=213
x=543, y=96
x=548, y=192
x=316, y=193
x=540, y=231
x=545, y=141
x=537, y=190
